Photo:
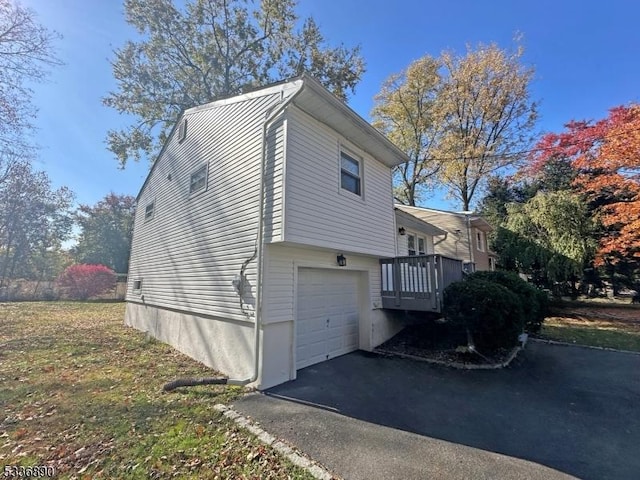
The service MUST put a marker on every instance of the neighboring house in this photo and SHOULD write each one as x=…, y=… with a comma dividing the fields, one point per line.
x=415, y=236
x=466, y=235
x=260, y=232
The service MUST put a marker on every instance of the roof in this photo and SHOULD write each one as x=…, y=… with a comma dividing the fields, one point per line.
x=314, y=99
x=416, y=223
x=318, y=102
x=321, y=104
x=475, y=220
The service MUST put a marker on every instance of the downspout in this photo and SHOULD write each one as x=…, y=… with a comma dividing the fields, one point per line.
x=471, y=259
x=446, y=234
x=274, y=112
x=258, y=254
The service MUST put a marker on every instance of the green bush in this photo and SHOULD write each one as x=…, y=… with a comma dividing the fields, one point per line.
x=488, y=310
x=534, y=302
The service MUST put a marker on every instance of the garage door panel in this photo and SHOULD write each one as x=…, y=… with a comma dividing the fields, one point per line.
x=311, y=356
x=335, y=344
x=327, y=315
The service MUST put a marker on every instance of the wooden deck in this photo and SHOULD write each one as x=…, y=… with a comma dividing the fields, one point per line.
x=417, y=282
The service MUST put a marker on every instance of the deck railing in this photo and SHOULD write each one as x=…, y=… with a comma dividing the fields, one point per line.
x=417, y=282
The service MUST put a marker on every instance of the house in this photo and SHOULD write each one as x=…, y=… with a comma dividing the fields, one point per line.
x=465, y=235
x=261, y=234
x=415, y=236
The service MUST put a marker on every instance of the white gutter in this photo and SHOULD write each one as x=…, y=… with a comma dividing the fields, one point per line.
x=269, y=117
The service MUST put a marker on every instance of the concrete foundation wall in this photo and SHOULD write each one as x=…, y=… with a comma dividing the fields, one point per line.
x=226, y=346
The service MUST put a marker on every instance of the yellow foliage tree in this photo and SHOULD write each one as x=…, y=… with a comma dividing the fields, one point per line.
x=490, y=116
x=407, y=112
x=460, y=118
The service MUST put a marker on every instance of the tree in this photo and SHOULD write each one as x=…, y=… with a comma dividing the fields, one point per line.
x=26, y=53
x=605, y=154
x=501, y=191
x=86, y=281
x=206, y=49
x=33, y=218
x=459, y=118
x=407, y=112
x=106, y=229
x=490, y=117
x=552, y=235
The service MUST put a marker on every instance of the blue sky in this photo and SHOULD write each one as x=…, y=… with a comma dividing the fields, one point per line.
x=585, y=53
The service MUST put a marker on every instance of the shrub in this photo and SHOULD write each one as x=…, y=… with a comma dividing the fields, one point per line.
x=534, y=302
x=85, y=281
x=489, y=311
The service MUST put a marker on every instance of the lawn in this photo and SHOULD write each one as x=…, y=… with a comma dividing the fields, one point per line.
x=83, y=393
x=617, y=328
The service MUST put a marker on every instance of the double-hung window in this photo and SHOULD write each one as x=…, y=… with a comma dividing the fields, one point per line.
x=421, y=246
x=411, y=244
x=480, y=240
x=350, y=173
x=149, y=211
x=198, y=182
x=416, y=245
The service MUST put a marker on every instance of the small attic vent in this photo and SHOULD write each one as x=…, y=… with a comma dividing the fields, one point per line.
x=182, y=132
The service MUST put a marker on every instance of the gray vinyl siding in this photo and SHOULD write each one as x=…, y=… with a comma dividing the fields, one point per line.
x=189, y=253
x=274, y=181
x=317, y=211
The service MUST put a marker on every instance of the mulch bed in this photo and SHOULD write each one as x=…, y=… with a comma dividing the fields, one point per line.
x=439, y=342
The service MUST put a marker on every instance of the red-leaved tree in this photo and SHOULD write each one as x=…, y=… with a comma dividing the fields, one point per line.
x=606, y=157
x=84, y=281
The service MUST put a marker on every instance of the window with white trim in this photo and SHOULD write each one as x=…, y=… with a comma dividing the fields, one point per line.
x=416, y=245
x=480, y=240
x=492, y=264
x=421, y=246
x=149, y=211
x=411, y=244
x=198, y=182
x=350, y=173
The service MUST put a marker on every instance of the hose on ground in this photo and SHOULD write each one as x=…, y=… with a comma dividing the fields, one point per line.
x=192, y=382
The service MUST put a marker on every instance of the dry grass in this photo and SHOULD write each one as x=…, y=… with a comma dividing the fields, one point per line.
x=83, y=393
x=600, y=327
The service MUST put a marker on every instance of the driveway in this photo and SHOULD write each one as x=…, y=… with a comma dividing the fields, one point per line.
x=556, y=411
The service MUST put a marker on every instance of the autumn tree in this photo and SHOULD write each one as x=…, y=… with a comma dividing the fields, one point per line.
x=34, y=219
x=606, y=157
x=84, y=281
x=460, y=118
x=201, y=50
x=489, y=117
x=408, y=112
x=105, y=232
x=26, y=54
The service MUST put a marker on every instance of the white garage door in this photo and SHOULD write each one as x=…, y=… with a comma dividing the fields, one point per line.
x=328, y=315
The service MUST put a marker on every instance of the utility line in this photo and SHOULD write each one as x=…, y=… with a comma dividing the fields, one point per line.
x=523, y=152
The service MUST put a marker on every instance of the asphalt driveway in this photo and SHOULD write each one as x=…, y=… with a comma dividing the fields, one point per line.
x=556, y=411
